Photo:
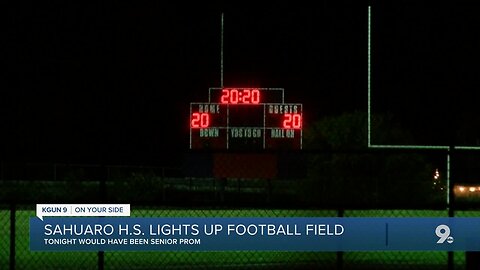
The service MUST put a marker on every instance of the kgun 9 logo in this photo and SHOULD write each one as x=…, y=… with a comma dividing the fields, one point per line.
x=443, y=232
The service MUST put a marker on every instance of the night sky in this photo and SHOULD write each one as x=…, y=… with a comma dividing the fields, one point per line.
x=107, y=82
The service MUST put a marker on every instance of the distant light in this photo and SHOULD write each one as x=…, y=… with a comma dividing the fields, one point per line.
x=462, y=189
x=471, y=189
x=436, y=174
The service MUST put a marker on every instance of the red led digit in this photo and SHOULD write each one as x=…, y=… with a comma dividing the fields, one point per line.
x=200, y=120
x=234, y=96
x=195, y=122
x=287, y=120
x=246, y=96
x=205, y=120
x=225, y=96
x=297, y=120
x=255, y=96
x=292, y=120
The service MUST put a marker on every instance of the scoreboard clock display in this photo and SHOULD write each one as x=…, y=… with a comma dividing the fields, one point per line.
x=246, y=119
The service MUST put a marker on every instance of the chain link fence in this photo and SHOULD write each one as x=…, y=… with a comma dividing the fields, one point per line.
x=26, y=259
x=4, y=237
x=364, y=184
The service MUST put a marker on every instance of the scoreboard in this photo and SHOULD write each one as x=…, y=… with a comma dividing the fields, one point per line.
x=246, y=119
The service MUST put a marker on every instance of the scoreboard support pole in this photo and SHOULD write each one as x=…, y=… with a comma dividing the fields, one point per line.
x=221, y=53
x=220, y=186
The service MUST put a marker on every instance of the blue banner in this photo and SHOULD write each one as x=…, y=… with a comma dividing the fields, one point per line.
x=282, y=234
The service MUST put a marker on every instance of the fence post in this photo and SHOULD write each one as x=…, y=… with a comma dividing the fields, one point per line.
x=101, y=260
x=103, y=197
x=12, y=236
x=341, y=213
x=472, y=259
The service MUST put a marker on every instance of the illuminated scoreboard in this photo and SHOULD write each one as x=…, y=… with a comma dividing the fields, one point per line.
x=245, y=119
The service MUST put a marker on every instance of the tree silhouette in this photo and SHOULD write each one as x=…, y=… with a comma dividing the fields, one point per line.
x=343, y=171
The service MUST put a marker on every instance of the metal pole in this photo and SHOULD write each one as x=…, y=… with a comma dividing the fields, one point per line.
x=341, y=213
x=450, y=202
x=221, y=55
x=103, y=198
x=12, y=236
x=369, y=132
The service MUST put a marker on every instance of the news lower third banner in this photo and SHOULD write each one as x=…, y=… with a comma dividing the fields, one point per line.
x=262, y=234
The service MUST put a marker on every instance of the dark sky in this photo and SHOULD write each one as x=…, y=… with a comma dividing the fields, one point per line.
x=110, y=82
